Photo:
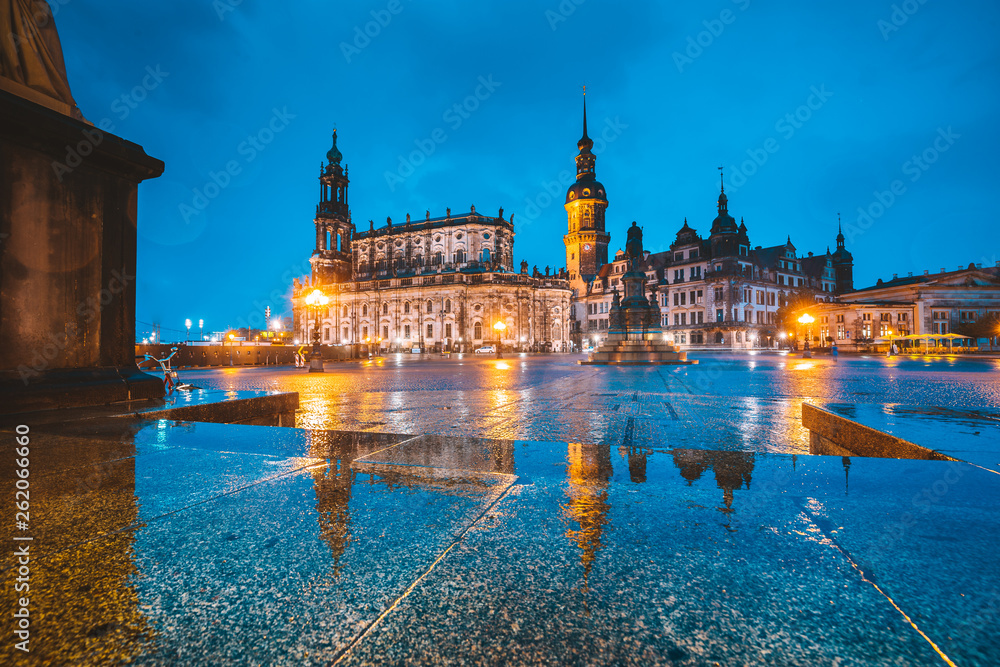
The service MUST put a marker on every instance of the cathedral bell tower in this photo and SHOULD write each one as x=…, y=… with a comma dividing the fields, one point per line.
x=586, y=241
x=331, y=259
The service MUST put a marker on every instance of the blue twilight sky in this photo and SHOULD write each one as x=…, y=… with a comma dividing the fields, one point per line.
x=812, y=107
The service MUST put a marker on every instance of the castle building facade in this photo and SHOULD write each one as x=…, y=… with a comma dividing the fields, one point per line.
x=440, y=283
x=715, y=292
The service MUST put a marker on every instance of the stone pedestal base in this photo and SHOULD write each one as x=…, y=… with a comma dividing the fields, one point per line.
x=638, y=349
x=68, y=193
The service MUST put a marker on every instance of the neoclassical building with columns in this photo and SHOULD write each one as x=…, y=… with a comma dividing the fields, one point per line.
x=437, y=283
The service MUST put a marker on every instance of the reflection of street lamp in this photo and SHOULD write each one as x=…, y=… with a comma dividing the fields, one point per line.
x=316, y=301
x=807, y=321
x=187, y=323
x=499, y=328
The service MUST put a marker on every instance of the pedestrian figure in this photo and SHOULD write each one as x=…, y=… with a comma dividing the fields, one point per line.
x=834, y=351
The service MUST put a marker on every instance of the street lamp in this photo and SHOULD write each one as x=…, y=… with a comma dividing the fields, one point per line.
x=187, y=323
x=317, y=300
x=201, y=329
x=499, y=328
x=807, y=320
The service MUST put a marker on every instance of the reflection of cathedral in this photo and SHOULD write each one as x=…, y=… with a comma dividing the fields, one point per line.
x=732, y=469
x=589, y=470
x=333, y=493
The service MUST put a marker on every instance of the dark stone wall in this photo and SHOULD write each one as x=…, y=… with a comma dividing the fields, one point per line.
x=68, y=201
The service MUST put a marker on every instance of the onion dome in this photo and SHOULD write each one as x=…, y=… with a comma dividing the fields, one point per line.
x=334, y=155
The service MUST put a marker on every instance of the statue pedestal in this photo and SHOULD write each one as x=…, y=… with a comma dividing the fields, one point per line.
x=639, y=348
x=68, y=196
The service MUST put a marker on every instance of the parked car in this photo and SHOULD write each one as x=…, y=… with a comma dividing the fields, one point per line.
x=486, y=349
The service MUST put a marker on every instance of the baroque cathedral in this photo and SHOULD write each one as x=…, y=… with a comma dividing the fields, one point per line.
x=435, y=284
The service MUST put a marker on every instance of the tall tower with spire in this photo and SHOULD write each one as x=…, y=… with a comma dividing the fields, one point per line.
x=586, y=241
x=331, y=259
x=843, y=263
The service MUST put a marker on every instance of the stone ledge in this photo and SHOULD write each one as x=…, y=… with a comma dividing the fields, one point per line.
x=832, y=434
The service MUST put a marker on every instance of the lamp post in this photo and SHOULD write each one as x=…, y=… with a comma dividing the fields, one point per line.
x=316, y=301
x=201, y=329
x=187, y=323
x=806, y=320
x=499, y=328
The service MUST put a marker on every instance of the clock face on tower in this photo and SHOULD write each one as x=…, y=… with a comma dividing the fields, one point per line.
x=586, y=247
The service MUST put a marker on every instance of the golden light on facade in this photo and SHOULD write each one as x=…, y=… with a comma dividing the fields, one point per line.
x=807, y=319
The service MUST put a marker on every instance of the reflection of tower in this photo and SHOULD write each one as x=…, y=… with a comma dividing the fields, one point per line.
x=332, y=485
x=637, y=464
x=846, y=461
x=589, y=470
x=732, y=470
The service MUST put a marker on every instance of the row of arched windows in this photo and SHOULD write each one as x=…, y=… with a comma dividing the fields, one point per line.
x=428, y=308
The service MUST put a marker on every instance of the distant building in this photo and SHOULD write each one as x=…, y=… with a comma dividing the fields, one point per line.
x=931, y=303
x=440, y=283
x=713, y=292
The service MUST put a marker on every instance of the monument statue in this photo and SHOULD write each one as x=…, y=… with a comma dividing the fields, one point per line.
x=31, y=57
x=635, y=333
x=633, y=247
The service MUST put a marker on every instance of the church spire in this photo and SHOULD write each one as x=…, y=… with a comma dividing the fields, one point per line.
x=840, y=233
x=585, y=143
x=723, y=199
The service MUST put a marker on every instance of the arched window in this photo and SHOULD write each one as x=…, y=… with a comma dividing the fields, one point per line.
x=486, y=254
x=364, y=309
x=406, y=308
x=719, y=338
x=447, y=305
x=430, y=306
x=345, y=311
x=460, y=256
x=326, y=333
x=345, y=335
x=438, y=257
x=477, y=331
x=385, y=308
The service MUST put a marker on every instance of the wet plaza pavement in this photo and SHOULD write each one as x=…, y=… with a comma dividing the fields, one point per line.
x=740, y=402
x=676, y=520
